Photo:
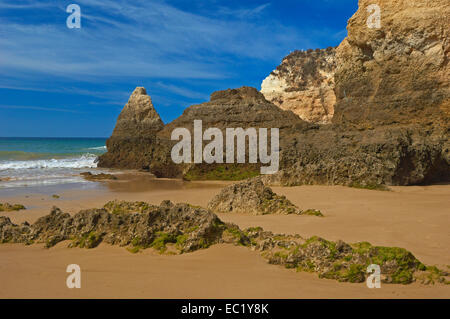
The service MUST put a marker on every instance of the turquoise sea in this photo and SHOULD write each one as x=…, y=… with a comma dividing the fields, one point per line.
x=47, y=161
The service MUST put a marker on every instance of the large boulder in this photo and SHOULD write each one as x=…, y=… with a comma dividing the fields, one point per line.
x=251, y=197
x=151, y=149
x=133, y=141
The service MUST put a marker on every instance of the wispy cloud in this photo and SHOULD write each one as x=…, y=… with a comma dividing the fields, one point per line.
x=242, y=12
x=37, y=108
x=68, y=90
x=182, y=91
x=23, y=5
x=148, y=39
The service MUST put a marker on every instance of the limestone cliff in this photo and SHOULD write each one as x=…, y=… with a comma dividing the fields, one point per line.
x=304, y=84
x=398, y=73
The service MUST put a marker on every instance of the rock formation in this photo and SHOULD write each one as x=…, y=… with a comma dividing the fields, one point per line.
x=391, y=115
x=341, y=261
x=138, y=225
x=134, y=137
x=234, y=108
x=97, y=177
x=392, y=112
x=251, y=197
x=304, y=84
x=398, y=73
x=181, y=228
x=6, y=207
x=138, y=117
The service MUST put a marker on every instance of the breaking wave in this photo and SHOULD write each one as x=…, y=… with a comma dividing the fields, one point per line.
x=83, y=161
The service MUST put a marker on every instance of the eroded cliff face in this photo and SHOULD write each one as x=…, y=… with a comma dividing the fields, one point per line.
x=391, y=109
x=398, y=73
x=304, y=84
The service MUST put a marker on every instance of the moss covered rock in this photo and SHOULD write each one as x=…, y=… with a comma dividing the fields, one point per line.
x=6, y=207
x=251, y=197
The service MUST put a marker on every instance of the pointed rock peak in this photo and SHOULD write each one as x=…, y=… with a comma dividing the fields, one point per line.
x=138, y=117
x=139, y=91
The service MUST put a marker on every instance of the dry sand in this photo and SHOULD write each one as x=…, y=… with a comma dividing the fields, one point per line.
x=416, y=218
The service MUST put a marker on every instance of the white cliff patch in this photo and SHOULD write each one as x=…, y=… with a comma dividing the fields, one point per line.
x=304, y=84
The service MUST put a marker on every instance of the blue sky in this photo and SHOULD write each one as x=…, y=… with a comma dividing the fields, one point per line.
x=61, y=82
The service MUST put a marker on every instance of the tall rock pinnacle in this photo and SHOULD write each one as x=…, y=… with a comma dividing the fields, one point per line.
x=134, y=138
x=138, y=117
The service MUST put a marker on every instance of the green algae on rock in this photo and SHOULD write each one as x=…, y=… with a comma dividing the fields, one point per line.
x=97, y=177
x=339, y=260
x=182, y=228
x=6, y=207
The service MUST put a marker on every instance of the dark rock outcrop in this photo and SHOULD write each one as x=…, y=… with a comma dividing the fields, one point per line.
x=344, y=154
x=138, y=225
x=7, y=207
x=386, y=155
x=133, y=140
x=97, y=177
x=182, y=228
x=138, y=117
x=339, y=260
x=234, y=108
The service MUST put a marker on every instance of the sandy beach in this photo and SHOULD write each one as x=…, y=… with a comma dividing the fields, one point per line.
x=415, y=218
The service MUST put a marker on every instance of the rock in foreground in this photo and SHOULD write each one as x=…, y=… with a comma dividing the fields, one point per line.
x=251, y=197
x=97, y=177
x=6, y=207
x=182, y=228
x=138, y=225
x=339, y=260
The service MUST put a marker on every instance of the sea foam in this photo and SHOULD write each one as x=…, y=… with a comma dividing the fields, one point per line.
x=84, y=161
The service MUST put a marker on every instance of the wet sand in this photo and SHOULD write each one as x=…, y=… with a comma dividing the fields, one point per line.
x=416, y=218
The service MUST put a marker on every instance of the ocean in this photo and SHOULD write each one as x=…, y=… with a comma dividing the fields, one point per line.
x=26, y=162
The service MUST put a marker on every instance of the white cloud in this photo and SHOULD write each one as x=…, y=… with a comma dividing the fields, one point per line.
x=37, y=108
x=145, y=39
